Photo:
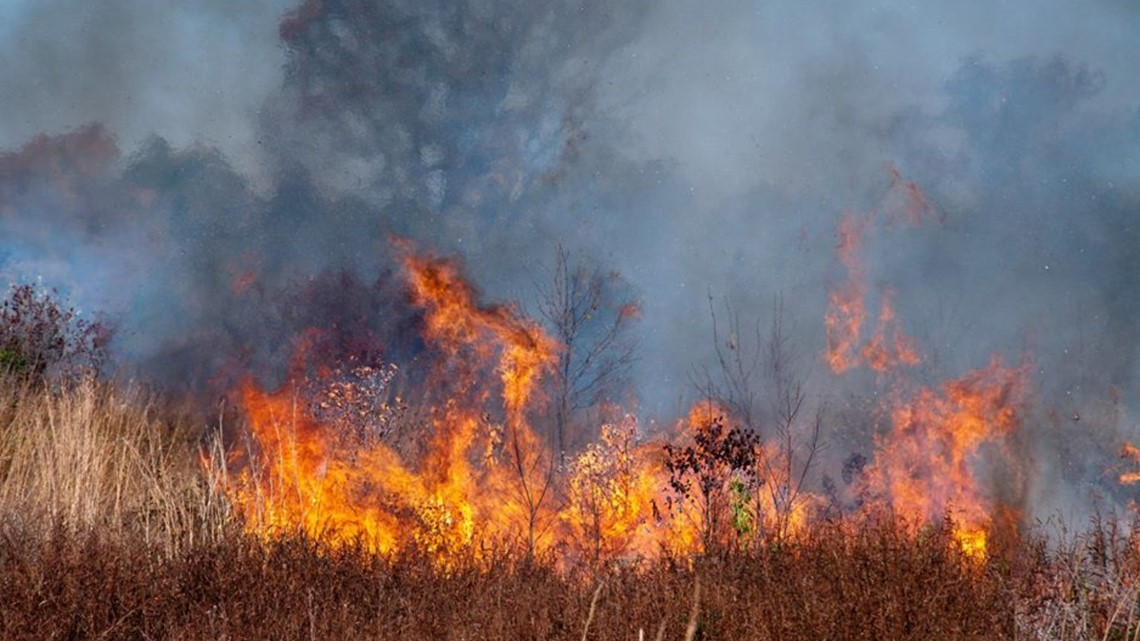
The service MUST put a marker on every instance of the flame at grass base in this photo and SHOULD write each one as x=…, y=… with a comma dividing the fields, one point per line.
x=924, y=466
x=483, y=477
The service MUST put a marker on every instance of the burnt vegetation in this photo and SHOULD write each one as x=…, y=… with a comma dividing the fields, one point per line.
x=314, y=463
x=113, y=525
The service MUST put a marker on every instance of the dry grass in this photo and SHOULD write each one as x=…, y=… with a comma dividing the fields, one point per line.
x=239, y=589
x=91, y=457
x=109, y=531
x=881, y=584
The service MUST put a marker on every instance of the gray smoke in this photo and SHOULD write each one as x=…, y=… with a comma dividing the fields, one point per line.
x=245, y=153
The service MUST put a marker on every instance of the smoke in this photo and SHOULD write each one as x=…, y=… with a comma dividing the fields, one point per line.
x=243, y=153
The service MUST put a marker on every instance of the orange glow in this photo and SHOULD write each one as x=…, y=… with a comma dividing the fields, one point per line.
x=1131, y=452
x=845, y=312
x=243, y=281
x=905, y=201
x=613, y=494
x=972, y=541
x=923, y=467
x=480, y=474
x=483, y=478
x=889, y=347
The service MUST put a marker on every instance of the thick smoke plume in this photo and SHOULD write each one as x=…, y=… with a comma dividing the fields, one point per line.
x=218, y=188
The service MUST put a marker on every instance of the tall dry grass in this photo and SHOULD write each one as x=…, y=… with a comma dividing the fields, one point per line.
x=110, y=529
x=89, y=457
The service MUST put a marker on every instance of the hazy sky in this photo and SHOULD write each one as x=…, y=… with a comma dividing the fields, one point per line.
x=714, y=145
x=738, y=91
x=191, y=72
x=698, y=147
x=717, y=85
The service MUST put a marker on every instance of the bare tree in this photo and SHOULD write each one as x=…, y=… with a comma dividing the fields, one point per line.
x=533, y=467
x=734, y=382
x=797, y=435
x=591, y=311
x=760, y=380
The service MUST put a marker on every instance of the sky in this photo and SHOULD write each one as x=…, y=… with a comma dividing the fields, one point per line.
x=153, y=152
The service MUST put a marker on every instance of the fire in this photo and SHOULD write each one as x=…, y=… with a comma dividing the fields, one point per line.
x=483, y=478
x=612, y=507
x=309, y=480
x=924, y=467
x=905, y=201
x=889, y=347
x=845, y=312
x=972, y=541
x=1131, y=452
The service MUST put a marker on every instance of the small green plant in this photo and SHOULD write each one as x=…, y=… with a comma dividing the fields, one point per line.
x=743, y=520
x=12, y=360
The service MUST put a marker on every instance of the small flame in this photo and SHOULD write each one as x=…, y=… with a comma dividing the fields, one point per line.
x=889, y=347
x=905, y=201
x=1131, y=452
x=972, y=541
x=845, y=312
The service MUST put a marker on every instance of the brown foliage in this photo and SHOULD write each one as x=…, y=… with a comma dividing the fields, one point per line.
x=873, y=582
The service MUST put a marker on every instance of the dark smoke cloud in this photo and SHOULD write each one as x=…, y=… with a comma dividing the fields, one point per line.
x=249, y=158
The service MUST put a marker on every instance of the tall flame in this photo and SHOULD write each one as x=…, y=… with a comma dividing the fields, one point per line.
x=479, y=480
x=924, y=467
x=481, y=476
x=890, y=347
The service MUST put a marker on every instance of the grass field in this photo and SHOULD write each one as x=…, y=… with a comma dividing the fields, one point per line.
x=110, y=529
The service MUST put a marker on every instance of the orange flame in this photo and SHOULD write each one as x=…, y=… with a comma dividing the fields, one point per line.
x=883, y=354
x=924, y=466
x=481, y=476
x=889, y=347
x=845, y=312
x=1131, y=452
x=905, y=201
x=304, y=475
x=613, y=496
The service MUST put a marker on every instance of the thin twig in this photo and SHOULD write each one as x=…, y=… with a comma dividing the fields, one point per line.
x=593, y=604
x=691, y=630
